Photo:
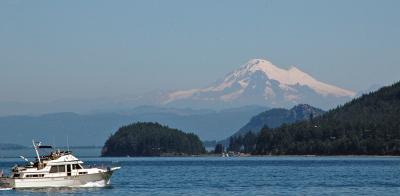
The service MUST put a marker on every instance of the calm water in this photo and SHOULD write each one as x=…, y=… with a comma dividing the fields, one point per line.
x=241, y=176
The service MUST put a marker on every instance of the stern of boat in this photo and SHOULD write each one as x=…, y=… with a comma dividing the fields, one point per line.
x=6, y=182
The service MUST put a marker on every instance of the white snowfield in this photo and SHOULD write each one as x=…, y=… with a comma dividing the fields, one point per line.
x=288, y=80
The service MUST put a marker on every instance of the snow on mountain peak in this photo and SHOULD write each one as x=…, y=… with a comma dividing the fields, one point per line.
x=261, y=74
x=293, y=76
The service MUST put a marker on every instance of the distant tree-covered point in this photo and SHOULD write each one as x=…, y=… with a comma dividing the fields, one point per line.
x=151, y=139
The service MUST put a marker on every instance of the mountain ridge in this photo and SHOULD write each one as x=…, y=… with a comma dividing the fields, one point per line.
x=263, y=83
x=257, y=82
x=208, y=124
x=275, y=117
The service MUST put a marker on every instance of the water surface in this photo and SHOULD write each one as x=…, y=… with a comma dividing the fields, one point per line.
x=288, y=175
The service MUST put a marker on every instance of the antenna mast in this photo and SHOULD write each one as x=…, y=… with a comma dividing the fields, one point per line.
x=36, y=150
x=67, y=143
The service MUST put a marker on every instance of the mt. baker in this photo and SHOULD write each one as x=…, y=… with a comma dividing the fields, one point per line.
x=259, y=82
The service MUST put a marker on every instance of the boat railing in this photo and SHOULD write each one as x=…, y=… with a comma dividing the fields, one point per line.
x=101, y=166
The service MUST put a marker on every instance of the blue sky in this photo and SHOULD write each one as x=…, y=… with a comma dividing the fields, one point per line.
x=53, y=50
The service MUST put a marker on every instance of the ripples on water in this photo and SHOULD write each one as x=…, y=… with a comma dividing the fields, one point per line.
x=241, y=176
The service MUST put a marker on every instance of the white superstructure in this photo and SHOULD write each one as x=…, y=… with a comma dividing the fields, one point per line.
x=58, y=169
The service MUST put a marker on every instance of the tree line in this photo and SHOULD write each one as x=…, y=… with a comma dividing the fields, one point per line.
x=368, y=125
x=151, y=139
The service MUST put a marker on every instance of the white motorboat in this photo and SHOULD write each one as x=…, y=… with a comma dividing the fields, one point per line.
x=58, y=169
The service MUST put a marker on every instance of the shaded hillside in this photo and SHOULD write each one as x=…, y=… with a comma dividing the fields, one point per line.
x=208, y=124
x=276, y=117
x=246, y=136
x=151, y=139
x=367, y=125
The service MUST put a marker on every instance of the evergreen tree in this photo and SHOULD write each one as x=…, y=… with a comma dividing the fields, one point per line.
x=219, y=149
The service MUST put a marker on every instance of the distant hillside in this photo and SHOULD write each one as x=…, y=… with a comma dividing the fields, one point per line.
x=271, y=118
x=151, y=139
x=8, y=146
x=276, y=117
x=367, y=125
x=54, y=128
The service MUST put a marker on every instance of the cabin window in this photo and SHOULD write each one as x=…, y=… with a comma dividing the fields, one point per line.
x=53, y=169
x=61, y=168
x=82, y=173
x=57, y=169
x=16, y=175
x=76, y=166
x=35, y=176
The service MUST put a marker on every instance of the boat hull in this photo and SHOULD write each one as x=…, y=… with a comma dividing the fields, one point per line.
x=96, y=179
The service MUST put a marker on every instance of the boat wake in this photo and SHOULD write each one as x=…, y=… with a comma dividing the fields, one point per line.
x=96, y=184
x=100, y=183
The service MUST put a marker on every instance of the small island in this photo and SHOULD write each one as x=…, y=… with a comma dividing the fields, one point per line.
x=151, y=139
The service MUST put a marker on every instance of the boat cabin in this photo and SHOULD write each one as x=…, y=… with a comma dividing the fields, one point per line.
x=56, y=164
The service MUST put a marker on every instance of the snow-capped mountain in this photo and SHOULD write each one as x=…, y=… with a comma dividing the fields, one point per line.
x=262, y=83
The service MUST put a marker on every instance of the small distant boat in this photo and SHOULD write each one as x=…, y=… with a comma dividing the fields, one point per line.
x=58, y=169
x=225, y=154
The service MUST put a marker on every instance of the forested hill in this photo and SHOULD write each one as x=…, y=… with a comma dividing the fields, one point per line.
x=272, y=118
x=276, y=117
x=151, y=139
x=367, y=125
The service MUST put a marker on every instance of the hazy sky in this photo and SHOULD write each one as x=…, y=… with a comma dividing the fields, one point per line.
x=52, y=50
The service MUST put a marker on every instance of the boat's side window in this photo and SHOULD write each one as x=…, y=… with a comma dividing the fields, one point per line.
x=16, y=175
x=57, y=168
x=76, y=166
x=61, y=168
x=35, y=176
x=54, y=169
